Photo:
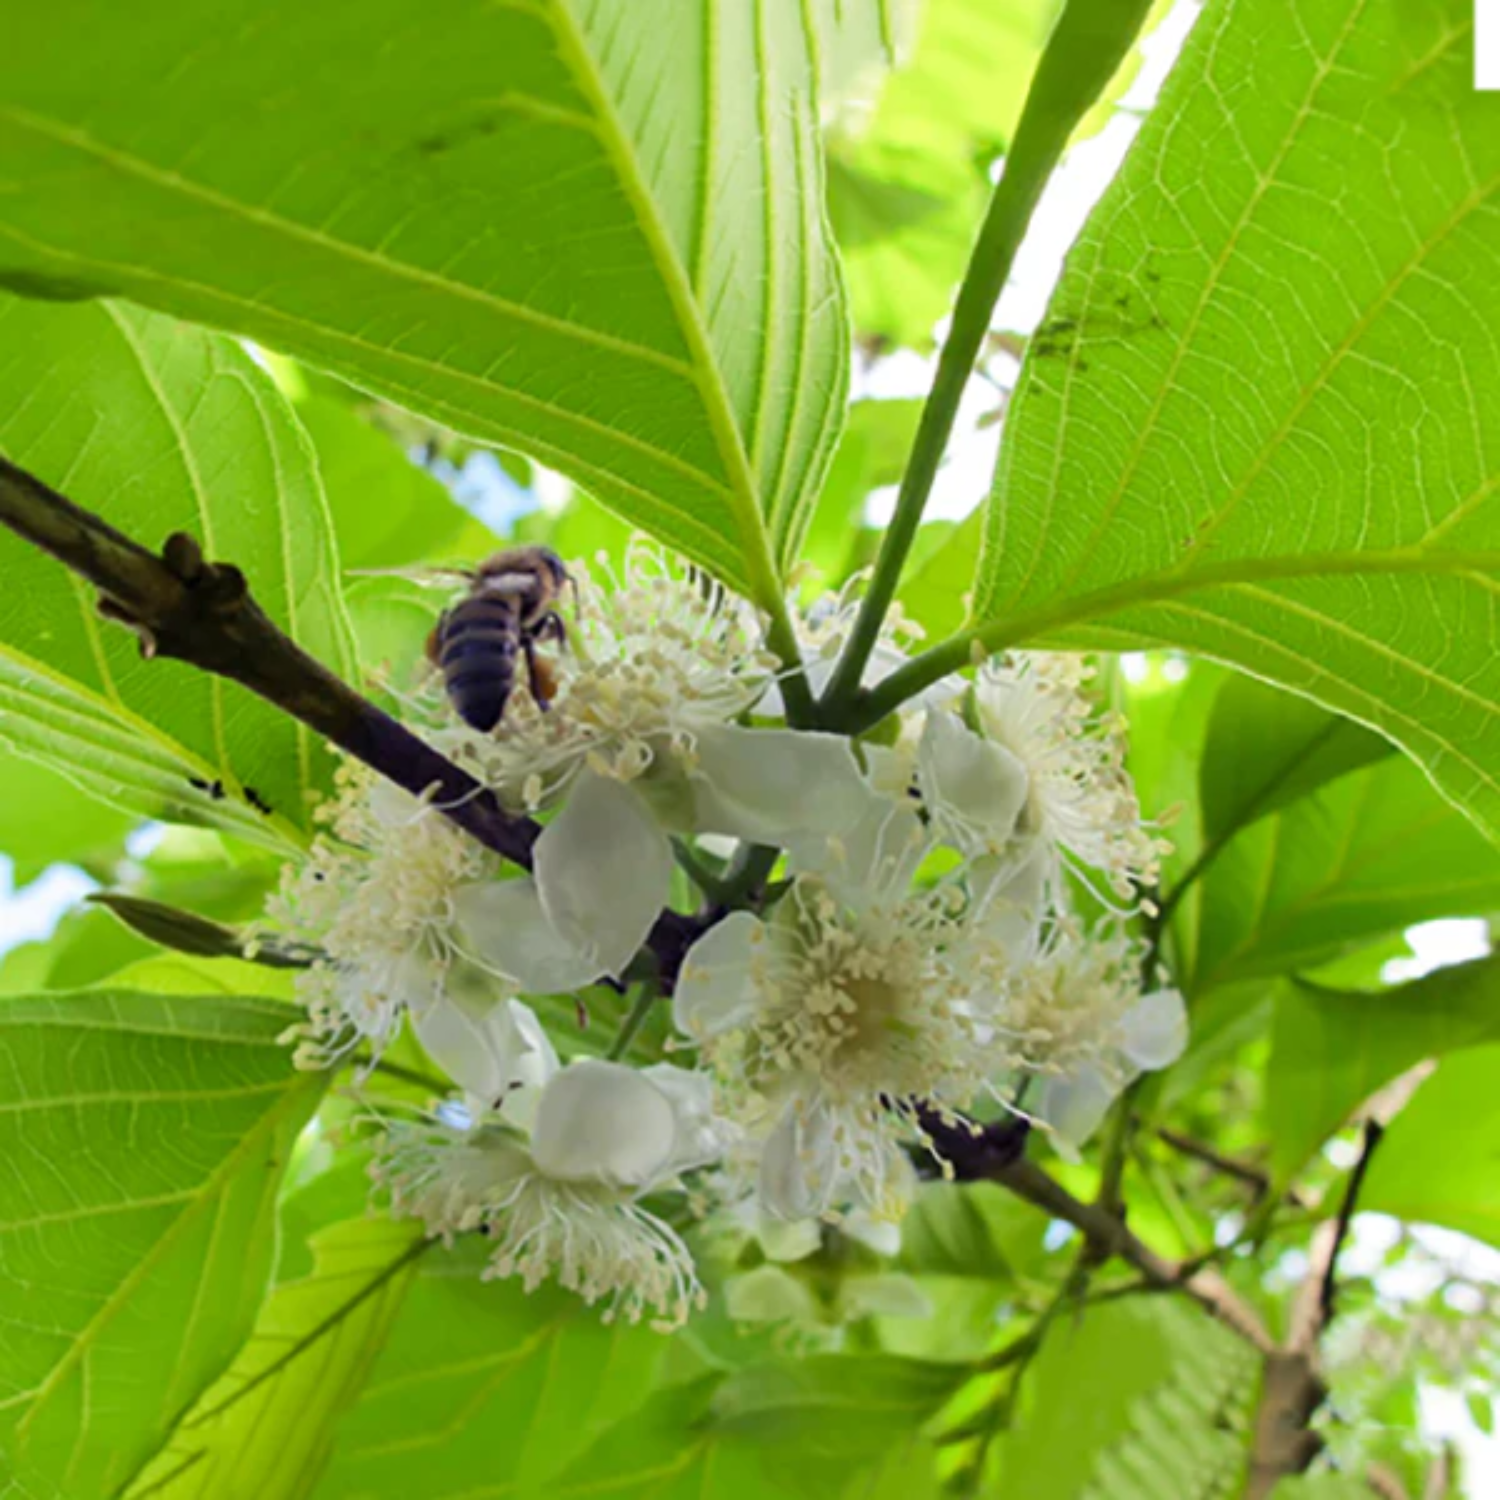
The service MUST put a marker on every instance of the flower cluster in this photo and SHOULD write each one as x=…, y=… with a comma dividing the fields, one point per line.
x=919, y=957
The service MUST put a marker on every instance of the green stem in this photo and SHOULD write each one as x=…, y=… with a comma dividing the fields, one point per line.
x=635, y=1018
x=796, y=695
x=751, y=866
x=1087, y=45
x=709, y=884
x=422, y=1080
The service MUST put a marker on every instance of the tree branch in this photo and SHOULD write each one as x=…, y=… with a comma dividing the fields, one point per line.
x=996, y=1153
x=1109, y=1236
x=1293, y=1388
x=202, y=613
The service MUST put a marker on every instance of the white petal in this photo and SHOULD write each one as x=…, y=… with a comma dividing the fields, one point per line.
x=1155, y=1030
x=799, y=1165
x=1073, y=1107
x=716, y=986
x=504, y=926
x=486, y=1049
x=701, y=1134
x=603, y=869
x=975, y=787
x=768, y=1295
x=1012, y=893
x=601, y=1121
x=878, y=855
x=880, y=1235
x=890, y=769
x=765, y=784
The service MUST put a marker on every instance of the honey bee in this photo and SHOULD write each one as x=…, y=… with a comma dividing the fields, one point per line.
x=511, y=605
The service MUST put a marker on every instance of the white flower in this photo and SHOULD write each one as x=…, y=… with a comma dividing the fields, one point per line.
x=1078, y=1029
x=375, y=898
x=828, y=1023
x=561, y=1199
x=1080, y=798
x=638, y=744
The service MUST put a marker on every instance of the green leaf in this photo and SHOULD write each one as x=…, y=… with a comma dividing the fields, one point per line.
x=971, y=1230
x=872, y=452
x=388, y=512
x=1169, y=1417
x=1332, y=1049
x=1219, y=440
x=1266, y=749
x=1440, y=1160
x=482, y=1384
x=812, y=1428
x=46, y=819
x=85, y=948
x=611, y=254
x=1365, y=856
x=934, y=592
x=265, y=1429
x=160, y=427
x=142, y=1139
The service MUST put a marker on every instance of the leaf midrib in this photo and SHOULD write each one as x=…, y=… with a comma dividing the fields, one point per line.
x=705, y=372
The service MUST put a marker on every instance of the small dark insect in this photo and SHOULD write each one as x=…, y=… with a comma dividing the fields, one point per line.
x=256, y=801
x=215, y=789
x=511, y=606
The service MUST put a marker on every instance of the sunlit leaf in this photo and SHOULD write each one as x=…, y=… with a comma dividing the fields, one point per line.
x=1266, y=749
x=141, y=1144
x=481, y=1384
x=160, y=427
x=807, y=1428
x=264, y=1430
x=610, y=253
x=387, y=511
x=45, y=818
x=1219, y=440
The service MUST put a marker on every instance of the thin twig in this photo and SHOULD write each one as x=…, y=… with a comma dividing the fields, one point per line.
x=1374, y=1130
x=1108, y=1235
x=645, y=1000
x=1253, y=1178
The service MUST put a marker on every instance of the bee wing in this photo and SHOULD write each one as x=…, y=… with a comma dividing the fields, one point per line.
x=427, y=577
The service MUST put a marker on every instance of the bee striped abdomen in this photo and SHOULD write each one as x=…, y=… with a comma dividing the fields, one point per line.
x=475, y=646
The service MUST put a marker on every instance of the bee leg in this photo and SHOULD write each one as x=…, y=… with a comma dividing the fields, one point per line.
x=433, y=650
x=537, y=675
